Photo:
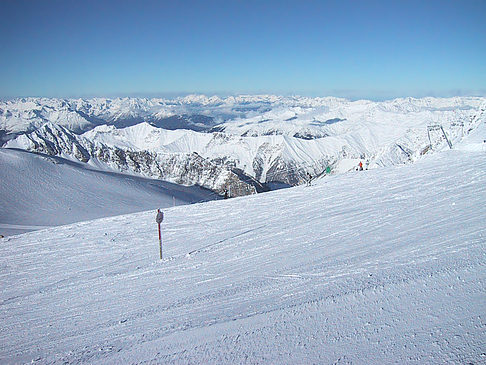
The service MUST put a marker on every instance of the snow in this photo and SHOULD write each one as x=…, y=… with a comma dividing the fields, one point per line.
x=270, y=138
x=259, y=114
x=476, y=141
x=374, y=267
x=38, y=191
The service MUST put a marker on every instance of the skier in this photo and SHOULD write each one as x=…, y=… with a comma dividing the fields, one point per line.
x=360, y=168
x=226, y=194
x=309, y=179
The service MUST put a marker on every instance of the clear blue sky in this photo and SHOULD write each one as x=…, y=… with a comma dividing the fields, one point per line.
x=372, y=49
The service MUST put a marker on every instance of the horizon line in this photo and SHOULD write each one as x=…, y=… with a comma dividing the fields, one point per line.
x=342, y=94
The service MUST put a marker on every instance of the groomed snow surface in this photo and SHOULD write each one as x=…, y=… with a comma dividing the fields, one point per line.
x=385, y=266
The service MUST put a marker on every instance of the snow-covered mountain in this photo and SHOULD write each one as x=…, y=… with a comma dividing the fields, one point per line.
x=196, y=112
x=39, y=191
x=185, y=168
x=385, y=266
x=246, y=143
x=247, y=114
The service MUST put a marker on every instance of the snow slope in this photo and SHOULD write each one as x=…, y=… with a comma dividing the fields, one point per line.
x=476, y=141
x=39, y=190
x=384, y=266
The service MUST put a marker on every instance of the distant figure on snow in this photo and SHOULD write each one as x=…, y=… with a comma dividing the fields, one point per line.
x=309, y=179
x=226, y=196
x=360, y=166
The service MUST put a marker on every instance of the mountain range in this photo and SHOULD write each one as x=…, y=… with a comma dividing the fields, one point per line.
x=242, y=144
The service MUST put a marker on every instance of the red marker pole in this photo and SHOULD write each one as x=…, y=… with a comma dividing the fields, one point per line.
x=159, y=218
x=160, y=242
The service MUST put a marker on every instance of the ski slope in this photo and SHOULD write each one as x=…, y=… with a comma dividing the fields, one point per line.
x=38, y=191
x=386, y=266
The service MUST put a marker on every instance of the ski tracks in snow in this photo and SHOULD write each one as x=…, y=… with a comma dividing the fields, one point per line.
x=318, y=325
x=286, y=277
x=208, y=247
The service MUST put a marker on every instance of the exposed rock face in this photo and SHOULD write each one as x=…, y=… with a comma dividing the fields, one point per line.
x=243, y=144
x=55, y=140
x=180, y=168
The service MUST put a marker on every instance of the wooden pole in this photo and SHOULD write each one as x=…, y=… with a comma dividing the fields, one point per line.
x=160, y=242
